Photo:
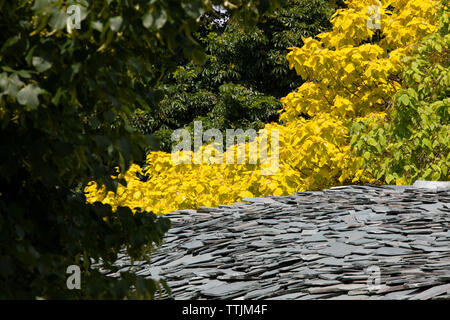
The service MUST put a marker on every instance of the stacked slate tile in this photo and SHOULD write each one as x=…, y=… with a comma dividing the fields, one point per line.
x=349, y=242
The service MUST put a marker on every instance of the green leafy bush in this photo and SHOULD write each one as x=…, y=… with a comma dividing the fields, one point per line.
x=414, y=142
x=66, y=102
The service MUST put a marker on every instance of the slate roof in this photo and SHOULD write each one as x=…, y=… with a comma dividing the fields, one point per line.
x=330, y=244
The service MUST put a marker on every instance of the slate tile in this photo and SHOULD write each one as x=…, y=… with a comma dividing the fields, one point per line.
x=329, y=276
x=307, y=272
x=363, y=251
x=259, y=200
x=314, y=238
x=287, y=237
x=362, y=241
x=350, y=297
x=261, y=292
x=321, y=283
x=310, y=257
x=259, y=244
x=192, y=245
x=331, y=261
x=336, y=288
x=228, y=289
x=309, y=232
x=390, y=251
x=338, y=249
x=430, y=248
x=268, y=274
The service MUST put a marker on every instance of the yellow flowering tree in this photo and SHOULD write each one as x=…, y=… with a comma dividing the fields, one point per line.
x=413, y=143
x=351, y=74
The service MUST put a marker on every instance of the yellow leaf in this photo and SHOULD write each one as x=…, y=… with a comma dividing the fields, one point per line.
x=199, y=188
x=246, y=193
x=349, y=68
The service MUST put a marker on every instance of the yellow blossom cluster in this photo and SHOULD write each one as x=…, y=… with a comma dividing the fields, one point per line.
x=350, y=73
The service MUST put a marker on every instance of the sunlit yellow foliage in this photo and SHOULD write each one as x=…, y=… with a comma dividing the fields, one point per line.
x=351, y=74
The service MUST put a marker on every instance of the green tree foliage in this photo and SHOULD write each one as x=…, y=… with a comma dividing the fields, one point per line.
x=66, y=100
x=415, y=143
x=244, y=74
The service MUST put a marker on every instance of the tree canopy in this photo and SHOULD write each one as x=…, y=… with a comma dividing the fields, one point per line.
x=244, y=73
x=66, y=101
x=350, y=77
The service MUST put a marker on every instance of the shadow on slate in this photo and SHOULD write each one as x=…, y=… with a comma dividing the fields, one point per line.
x=331, y=244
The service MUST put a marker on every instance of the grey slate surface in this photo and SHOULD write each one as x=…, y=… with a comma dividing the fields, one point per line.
x=311, y=245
